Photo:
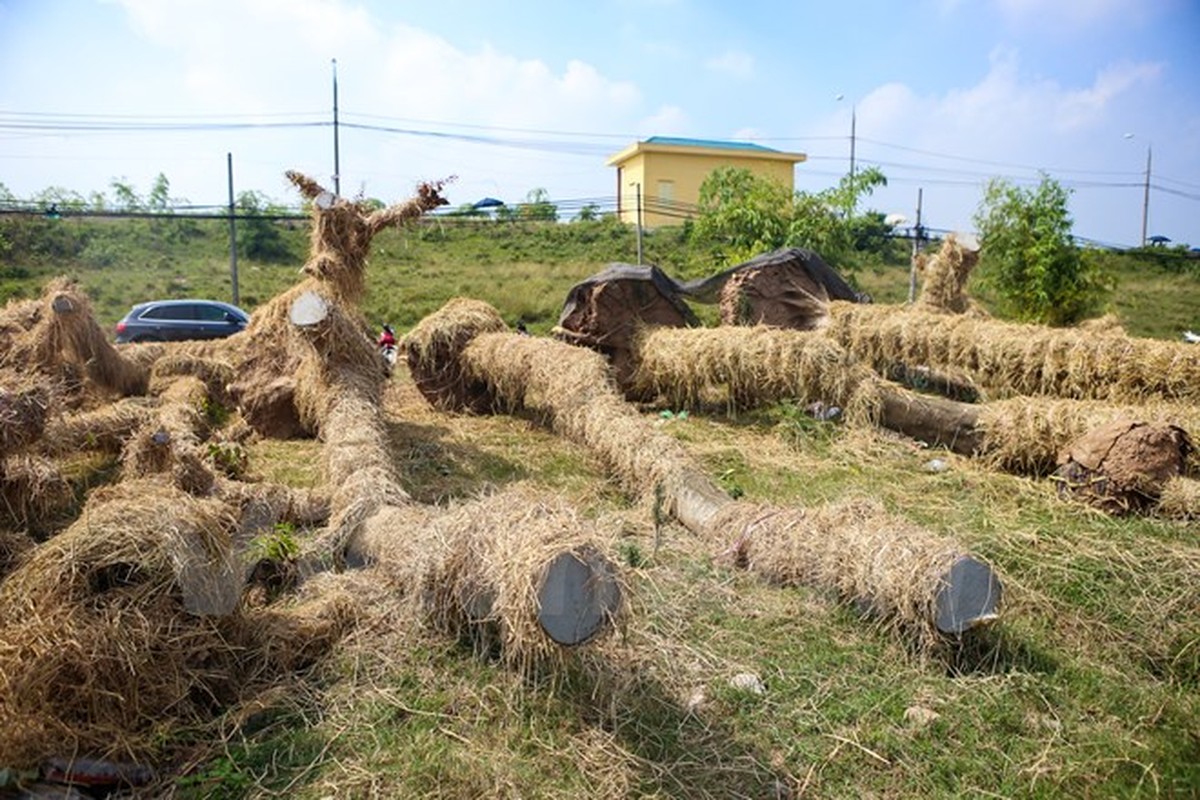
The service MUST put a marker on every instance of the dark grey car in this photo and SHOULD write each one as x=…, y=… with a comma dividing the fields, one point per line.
x=175, y=320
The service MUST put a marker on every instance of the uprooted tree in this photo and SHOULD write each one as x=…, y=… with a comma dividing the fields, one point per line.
x=132, y=618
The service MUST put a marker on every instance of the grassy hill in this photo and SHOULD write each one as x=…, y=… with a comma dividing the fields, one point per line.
x=523, y=269
x=1088, y=687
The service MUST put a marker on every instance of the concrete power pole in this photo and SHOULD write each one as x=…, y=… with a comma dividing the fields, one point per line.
x=233, y=269
x=916, y=251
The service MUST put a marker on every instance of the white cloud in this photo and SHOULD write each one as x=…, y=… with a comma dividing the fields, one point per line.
x=1071, y=16
x=667, y=121
x=952, y=142
x=734, y=63
x=270, y=56
x=1077, y=108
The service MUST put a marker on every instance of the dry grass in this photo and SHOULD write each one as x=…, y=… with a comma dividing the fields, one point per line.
x=105, y=429
x=22, y=416
x=97, y=649
x=432, y=349
x=1180, y=499
x=63, y=329
x=33, y=491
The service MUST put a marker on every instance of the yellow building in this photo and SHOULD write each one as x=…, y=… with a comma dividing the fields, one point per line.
x=667, y=173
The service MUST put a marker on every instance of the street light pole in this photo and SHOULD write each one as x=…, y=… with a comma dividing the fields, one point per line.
x=853, y=126
x=1146, y=196
x=1145, y=188
x=337, y=167
x=853, y=142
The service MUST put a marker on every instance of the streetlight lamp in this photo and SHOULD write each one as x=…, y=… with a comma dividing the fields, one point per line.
x=1145, y=189
x=853, y=125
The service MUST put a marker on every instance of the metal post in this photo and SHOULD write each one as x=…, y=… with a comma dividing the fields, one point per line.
x=337, y=170
x=853, y=137
x=639, y=223
x=916, y=251
x=1146, y=197
x=233, y=271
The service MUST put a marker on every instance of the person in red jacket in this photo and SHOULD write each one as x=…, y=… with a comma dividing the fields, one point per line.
x=387, y=338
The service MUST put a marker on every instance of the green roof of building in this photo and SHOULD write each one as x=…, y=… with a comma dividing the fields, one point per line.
x=683, y=142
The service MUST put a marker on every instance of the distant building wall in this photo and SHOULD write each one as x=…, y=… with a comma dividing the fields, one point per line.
x=668, y=172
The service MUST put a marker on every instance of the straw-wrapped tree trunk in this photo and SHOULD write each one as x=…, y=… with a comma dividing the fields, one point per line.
x=530, y=569
x=59, y=329
x=1008, y=359
x=757, y=366
x=465, y=352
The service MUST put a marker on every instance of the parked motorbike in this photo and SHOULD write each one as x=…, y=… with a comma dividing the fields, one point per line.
x=387, y=346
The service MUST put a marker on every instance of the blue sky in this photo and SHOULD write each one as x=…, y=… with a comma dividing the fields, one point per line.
x=509, y=96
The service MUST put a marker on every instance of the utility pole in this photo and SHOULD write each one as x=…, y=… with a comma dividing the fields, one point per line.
x=853, y=137
x=1146, y=197
x=233, y=272
x=916, y=251
x=639, y=223
x=337, y=170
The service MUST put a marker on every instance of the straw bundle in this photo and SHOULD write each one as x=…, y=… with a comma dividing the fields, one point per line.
x=1180, y=499
x=1026, y=435
x=30, y=337
x=95, y=643
x=215, y=374
x=16, y=317
x=102, y=641
x=289, y=636
x=33, y=491
x=22, y=417
x=757, y=366
x=945, y=276
x=269, y=357
x=85, y=344
x=170, y=443
x=571, y=391
x=106, y=429
x=65, y=330
x=1012, y=359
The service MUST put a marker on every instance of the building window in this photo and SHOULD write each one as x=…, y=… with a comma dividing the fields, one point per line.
x=666, y=191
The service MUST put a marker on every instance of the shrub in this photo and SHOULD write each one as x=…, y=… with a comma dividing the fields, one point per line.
x=1029, y=258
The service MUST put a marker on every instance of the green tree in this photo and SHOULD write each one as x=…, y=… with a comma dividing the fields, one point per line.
x=747, y=214
x=160, y=195
x=743, y=213
x=259, y=236
x=1029, y=258
x=589, y=213
x=125, y=196
x=537, y=206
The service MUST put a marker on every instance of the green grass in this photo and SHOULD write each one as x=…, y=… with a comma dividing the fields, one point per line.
x=1088, y=687
x=523, y=269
